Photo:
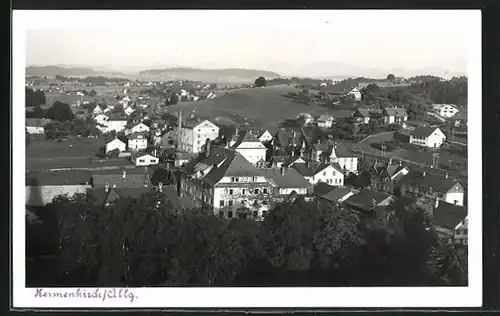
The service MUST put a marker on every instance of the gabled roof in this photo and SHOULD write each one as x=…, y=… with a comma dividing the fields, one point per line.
x=117, y=118
x=449, y=215
x=397, y=112
x=225, y=162
x=290, y=179
x=366, y=199
x=362, y=112
x=286, y=137
x=423, y=132
x=313, y=168
x=130, y=181
x=436, y=182
x=114, y=141
x=245, y=137
x=337, y=193
x=325, y=118
x=322, y=188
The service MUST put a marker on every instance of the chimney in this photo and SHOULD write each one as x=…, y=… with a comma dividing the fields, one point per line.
x=160, y=186
x=237, y=132
x=106, y=187
x=424, y=173
x=400, y=163
x=282, y=169
x=124, y=174
x=390, y=161
x=437, y=203
x=446, y=175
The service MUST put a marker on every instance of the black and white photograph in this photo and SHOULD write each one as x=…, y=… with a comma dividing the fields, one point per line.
x=247, y=158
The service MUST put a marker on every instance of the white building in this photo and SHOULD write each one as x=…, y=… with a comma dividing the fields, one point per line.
x=316, y=172
x=115, y=144
x=128, y=110
x=431, y=137
x=461, y=232
x=97, y=110
x=193, y=135
x=145, y=160
x=356, y=93
x=265, y=136
x=445, y=110
x=137, y=128
x=249, y=146
x=137, y=141
x=306, y=117
x=325, y=121
x=101, y=119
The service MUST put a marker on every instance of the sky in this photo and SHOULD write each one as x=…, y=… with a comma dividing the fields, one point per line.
x=318, y=43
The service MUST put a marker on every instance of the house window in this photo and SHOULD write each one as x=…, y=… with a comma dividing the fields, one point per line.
x=255, y=214
x=221, y=203
x=264, y=191
x=221, y=214
x=243, y=191
x=199, y=130
x=232, y=179
x=237, y=179
x=256, y=191
x=229, y=214
x=230, y=203
x=141, y=160
x=230, y=191
x=264, y=213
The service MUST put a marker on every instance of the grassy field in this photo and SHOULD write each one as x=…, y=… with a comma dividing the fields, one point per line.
x=263, y=107
x=83, y=147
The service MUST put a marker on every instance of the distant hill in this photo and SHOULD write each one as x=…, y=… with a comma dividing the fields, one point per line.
x=233, y=75
x=52, y=71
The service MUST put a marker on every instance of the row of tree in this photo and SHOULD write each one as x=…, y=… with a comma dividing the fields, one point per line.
x=148, y=242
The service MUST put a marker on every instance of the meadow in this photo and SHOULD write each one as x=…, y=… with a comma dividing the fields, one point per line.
x=264, y=107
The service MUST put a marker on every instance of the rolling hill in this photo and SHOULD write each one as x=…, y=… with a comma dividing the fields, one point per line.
x=52, y=71
x=264, y=107
x=233, y=75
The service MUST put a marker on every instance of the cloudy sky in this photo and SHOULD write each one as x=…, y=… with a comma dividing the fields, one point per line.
x=317, y=43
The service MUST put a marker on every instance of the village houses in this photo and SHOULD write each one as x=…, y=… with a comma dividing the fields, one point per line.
x=249, y=146
x=395, y=116
x=145, y=160
x=36, y=126
x=136, y=128
x=115, y=144
x=445, y=110
x=431, y=137
x=325, y=121
x=443, y=188
x=316, y=172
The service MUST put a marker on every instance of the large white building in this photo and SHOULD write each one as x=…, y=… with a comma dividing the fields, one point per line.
x=193, y=135
x=145, y=160
x=445, y=110
x=250, y=147
x=137, y=128
x=225, y=182
x=431, y=137
x=316, y=172
x=344, y=158
x=116, y=124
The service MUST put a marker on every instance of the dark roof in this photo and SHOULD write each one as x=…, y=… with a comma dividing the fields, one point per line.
x=225, y=162
x=397, y=112
x=322, y=188
x=244, y=136
x=74, y=177
x=290, y=178
x=290, y=160
x=286, y=137
x=37, y=122
x=137, y=135
x=341, y=150
x=190, y=123
x=449, y=215
x=423, y=132
x=366, y=199
x=362, y=112
x=430, y=181
x=134, y=180
x=313, y=168
x=336, y=193
x=117, y=118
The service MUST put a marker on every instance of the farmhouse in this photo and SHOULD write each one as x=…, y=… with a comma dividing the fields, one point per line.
x=316, y=172
x=265, y=136
x=194, y=134
x=356, y=94
x=325, y=121
x=386, y=177
x=367, y=201
x=445, y=110
x=136, y=128
x=339, y=194
x=431, y=137
x=433, y=186
x=115, y=144
x=145, y=160
x=362, y=115
x=116, y=124
x=344, y=158
x=249, y=146
x=43, y=187
x=285, y=181
x=128, y=110
x=395, y=116
x=36, y=126
x=137, y=141
x=450, y=221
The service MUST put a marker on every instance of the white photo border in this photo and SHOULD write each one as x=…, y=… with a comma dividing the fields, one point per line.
x=299, y=297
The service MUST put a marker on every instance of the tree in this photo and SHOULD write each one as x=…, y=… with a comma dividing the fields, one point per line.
x=61, y=112
x=174, y=99
x=373, y=125
x=260, y=82
x=118, y=108
x=391, y=77
x=114, y=153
